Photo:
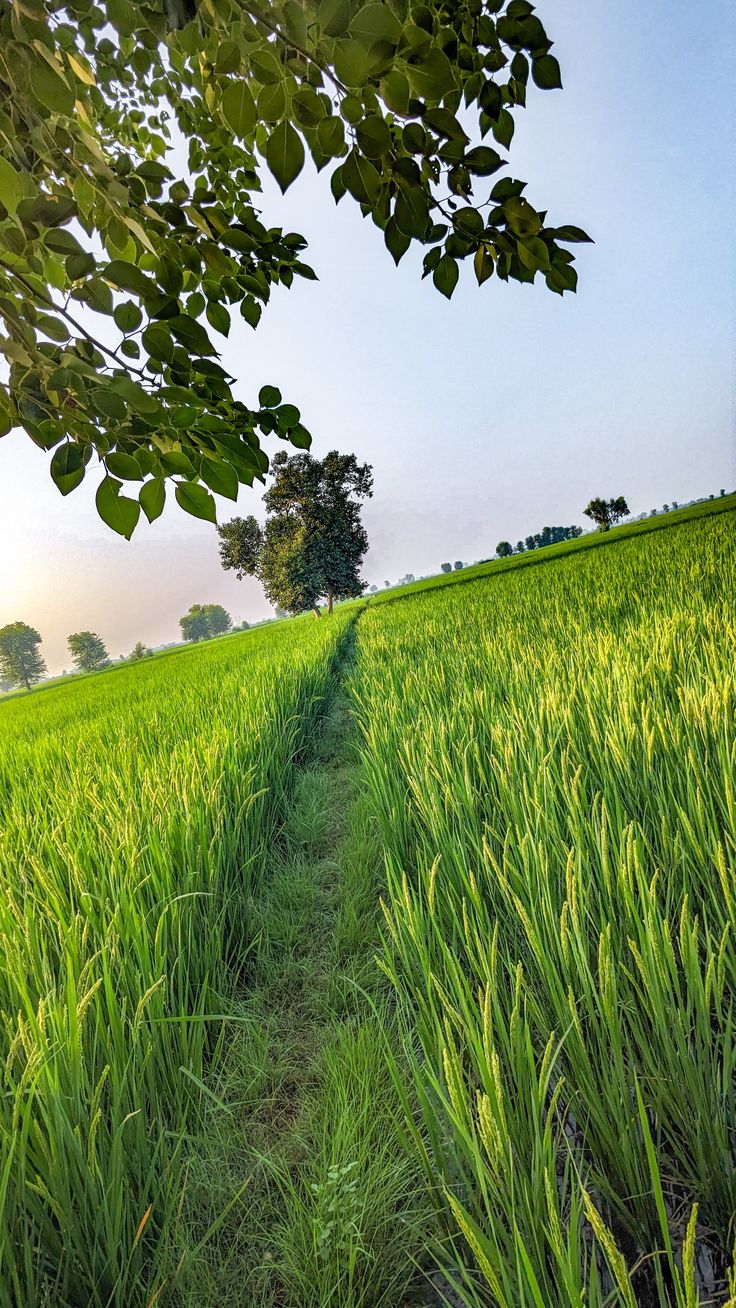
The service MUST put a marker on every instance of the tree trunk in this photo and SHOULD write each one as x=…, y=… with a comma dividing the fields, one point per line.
x=329, y=601
x=316, y=611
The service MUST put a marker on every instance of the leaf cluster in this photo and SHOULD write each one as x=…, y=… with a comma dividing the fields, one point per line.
x=116, y=268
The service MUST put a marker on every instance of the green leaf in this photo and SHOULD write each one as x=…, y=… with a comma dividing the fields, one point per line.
x=284, y=154
x=108, y=403
x=239, y=109
x=361, y=178
x=546, y=72
x=127, y=277
x=433, y=78
x=53, y=327
x=12, y=186
x=67, y=466
x=152, y=497
x=218, y=317
x=352, y=62
x=483, y=264
x=333, y=16
x=50, y=88
x=445, y=275
x=300, y=437
x=412, y=213
x=397, y=243
x=124, y=465
x=191, y=334
x=571, y=235
x=374, y=23
x=533, y=253
x=220, y=478
x=156, y=339
x=79, y=265
x=395, y=91
x=269, y=397
x=116, y=510
x=127, y=316
x=374, y=137
x=196, y=500
x=483, y=161
x=503, y=128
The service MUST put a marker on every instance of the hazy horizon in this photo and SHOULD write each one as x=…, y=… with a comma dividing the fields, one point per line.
x=484, y=418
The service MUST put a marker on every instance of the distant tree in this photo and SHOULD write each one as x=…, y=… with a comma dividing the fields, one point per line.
x=652, y=513
x=20, y=662
x=447, y=567
x=139, y=651
x=503, y=549
x=218, y=619
x=387, y=584
x=459, y=565
x=313, y=542
x=244, y=626
x=665, y=508
x=607, y=512
x=520, y=547
x=281, y=613
x=407, y=579
x=373, y=590
x=722, y=492
x=88, y=651
x=204, y=621
x=194, y=625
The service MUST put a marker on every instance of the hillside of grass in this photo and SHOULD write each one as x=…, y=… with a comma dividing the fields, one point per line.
x=593, y=540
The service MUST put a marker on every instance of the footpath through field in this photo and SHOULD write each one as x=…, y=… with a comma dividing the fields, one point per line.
x=304, y=1123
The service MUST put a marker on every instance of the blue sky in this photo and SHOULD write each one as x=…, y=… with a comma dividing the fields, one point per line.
x=494, y=414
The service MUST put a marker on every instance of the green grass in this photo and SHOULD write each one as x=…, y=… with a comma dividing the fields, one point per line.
x=531, y=558
x=134, y=812
x=213, y=1091
x=550, y=753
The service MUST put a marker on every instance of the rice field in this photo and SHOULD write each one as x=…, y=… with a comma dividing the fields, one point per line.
x=134, y=811
x=539, y=782
x=552, y=764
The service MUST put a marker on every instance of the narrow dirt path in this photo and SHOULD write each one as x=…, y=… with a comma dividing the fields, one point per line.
x=303, y=1113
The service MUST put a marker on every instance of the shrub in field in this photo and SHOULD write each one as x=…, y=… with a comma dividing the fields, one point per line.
x=551, y=763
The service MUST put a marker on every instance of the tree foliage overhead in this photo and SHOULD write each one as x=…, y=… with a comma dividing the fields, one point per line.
x=115, y=272
x=20, y=662
x=314, y=541
x=88, y=651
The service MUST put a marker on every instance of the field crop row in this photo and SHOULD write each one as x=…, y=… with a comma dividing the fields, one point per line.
x=134, y=811
x=552, y=763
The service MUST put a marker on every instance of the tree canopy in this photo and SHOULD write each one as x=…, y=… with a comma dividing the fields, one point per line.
x=314, y=541
x=20, y=662
x=117, y=263
x=88, y=651
x=204, y=621
x=605, y=513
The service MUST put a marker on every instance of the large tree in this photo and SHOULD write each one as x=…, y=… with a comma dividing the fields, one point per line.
x=20, y=662
x=204, y=621
x=314, y=541
x=114, y=269
x=88, y=651
x=606, y=513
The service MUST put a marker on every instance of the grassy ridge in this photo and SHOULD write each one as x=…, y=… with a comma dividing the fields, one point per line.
x=530, y=558
x=552, y=762
x=133, y=810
